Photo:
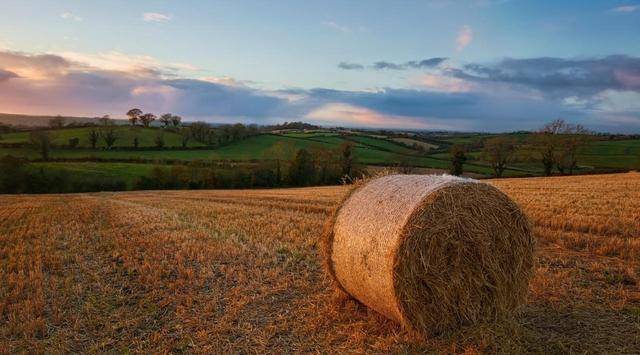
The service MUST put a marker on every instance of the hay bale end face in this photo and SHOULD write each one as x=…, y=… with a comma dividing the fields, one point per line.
x=432, y=252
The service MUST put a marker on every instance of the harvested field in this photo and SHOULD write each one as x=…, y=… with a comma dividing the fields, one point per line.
x=239, y=271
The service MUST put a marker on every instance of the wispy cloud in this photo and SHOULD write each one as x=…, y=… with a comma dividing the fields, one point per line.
x=156, y=17
x=465, y=37
x=350, y=66
x=384, y=65
x=337, y=27
x=626, y=8
x=118, y=61
x=70, y=16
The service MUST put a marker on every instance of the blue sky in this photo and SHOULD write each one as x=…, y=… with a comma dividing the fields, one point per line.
x=487, y=65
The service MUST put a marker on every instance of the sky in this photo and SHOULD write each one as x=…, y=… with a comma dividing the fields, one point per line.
x=467, y=65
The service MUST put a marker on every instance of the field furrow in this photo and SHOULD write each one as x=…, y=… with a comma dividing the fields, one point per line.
x=239, y=271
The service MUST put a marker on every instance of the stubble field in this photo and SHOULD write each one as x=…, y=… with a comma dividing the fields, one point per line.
x=239, y=271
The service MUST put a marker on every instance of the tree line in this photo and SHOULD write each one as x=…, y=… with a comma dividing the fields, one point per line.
x=283, y=166
x=106, y=132
x=17, y=175
x=315, y=166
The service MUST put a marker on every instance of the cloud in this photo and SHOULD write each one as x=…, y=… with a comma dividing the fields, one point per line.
x=118, y=61
x=559, y=76
x=70, y=16
x=338, y=114
x=34, y=66
x=465, y=37
x=426, y=63
x=6, y=75
x=443, y=83
x=626, y=8
x=384, y=65
x=350, y=66
x=387, y=65
x=510, y=94
x=156, y=17
x=337, y=27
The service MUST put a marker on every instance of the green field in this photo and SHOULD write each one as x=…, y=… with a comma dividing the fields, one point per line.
x=129, y=164
x=127, y=172
x=125, y=134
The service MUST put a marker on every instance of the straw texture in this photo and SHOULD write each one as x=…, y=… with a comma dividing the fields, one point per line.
x=431, y=252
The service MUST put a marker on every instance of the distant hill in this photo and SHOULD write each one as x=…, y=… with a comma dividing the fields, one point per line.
x=43, y=121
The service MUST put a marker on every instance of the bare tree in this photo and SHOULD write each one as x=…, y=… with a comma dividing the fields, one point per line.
x=499, y=151
x=176, y=120
x=134, y=115
x=574, y=138
x=165, y=120
x=147, y=118
x=559, y=144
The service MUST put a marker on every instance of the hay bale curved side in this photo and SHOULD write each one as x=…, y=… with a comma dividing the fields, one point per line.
x=421, y=250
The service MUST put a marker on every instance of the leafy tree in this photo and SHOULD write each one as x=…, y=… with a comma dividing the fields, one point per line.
x=237, y=131
x=57, y=122
x=94, y=135
x=302, y=171
x=165, y=120
x=147, y=118
x=42, y=141
x=347, y=159
x=73, y=142
x=458, y=158
x=325, y=165
x=12, y=174
x=110, y=136
x=200, y=131
x=280, y=152
x=134, y=114
x=499, y=151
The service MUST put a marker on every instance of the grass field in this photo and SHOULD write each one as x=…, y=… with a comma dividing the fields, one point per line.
x=127, y=172
x=239, y=272
x=599, y=155
x=125, y=134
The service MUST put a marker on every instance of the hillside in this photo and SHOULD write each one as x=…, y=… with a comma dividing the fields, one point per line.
x=239, y=271
x=125, y=136
x=236, y=156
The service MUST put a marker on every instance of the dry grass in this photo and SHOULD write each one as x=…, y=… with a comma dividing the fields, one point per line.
x=238, y=271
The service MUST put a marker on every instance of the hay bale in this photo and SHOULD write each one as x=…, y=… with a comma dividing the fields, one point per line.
x=432, y=252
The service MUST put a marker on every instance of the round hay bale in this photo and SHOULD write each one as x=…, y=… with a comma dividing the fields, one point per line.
x=433, y=253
